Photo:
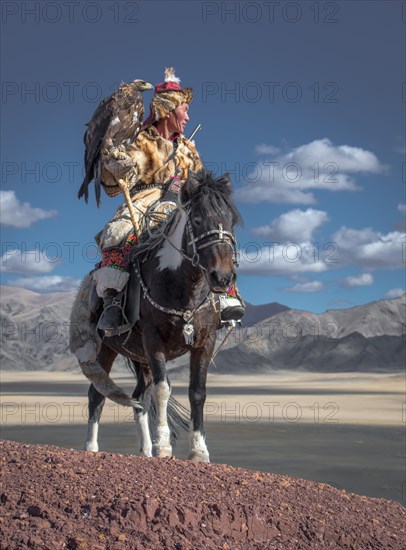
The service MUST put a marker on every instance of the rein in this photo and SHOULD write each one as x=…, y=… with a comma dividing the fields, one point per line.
x=225, y=237
x=187, y=315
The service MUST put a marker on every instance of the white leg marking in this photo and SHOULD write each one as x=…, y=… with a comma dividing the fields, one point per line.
x=162, y=445
x=198, y=450
x=91, y=441
x=141, y=425
x=169, y=257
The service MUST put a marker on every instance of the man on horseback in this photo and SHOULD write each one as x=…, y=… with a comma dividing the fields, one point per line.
x=154, y=166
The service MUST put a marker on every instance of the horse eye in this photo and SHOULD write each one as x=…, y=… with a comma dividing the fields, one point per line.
x=197, y=222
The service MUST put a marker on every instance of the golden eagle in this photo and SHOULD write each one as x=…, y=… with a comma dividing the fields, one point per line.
x=115, y=123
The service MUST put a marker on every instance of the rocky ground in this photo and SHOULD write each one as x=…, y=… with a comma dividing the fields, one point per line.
x=53, y=498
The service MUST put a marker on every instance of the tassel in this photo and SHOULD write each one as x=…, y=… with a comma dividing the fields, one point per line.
x=188, y=334
x=170, y=75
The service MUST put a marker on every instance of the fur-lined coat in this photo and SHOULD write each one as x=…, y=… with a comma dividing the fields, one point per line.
x=148, y=165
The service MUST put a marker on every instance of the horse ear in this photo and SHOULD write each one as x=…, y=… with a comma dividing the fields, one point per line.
x=226, y=181
x=190, y=186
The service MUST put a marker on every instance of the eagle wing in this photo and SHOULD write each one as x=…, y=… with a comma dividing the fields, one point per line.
x=115, y=123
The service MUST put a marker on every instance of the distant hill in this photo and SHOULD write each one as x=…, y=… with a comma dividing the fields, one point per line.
x=35, y=330
x=256, y=314
x=363, y=338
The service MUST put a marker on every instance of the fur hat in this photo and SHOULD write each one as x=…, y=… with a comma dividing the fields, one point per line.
x=168, y=96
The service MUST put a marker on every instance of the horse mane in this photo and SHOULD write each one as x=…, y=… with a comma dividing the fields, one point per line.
x=212, y=194
x=153, y=237
x=200, y=190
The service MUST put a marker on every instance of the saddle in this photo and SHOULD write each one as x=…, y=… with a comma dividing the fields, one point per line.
x=130, y=298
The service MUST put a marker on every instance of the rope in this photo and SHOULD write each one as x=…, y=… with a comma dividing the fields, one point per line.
x=229, y=330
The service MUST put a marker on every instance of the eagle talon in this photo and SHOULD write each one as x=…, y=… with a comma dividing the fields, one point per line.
x=117, y=154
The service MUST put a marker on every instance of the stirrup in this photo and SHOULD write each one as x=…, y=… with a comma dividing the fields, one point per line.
x=231, y=308
x=121, y=329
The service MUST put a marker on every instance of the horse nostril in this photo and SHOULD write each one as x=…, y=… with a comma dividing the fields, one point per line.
x=221, y=280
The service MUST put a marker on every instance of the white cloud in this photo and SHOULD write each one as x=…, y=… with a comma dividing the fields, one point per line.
x=402, y=208
x=365, y=279
x=28, y=262
x=347, y=158
x=311, y=286
x=294, y=226
x=273, y=192
x=48, y=283
x=394, y=293
x=14, y=213
x=289, y=178
x=370, y=249
x=285, y=259
x=264, y=149
x=363, y=248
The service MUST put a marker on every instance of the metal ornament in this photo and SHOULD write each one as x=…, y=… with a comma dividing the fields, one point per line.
x=188, y=334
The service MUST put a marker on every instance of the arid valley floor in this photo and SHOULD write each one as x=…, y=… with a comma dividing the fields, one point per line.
x=346, y=430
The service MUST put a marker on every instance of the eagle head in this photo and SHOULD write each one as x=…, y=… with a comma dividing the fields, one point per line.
x=141, y=85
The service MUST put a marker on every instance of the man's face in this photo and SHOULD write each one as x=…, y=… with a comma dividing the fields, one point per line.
x=177, y=119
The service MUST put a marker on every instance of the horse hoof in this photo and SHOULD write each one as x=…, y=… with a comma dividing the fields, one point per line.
x=162, y=452
x=196, y=456
x=145, y=454
x=91, y=447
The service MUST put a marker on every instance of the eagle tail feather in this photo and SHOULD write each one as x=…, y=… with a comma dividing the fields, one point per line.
x=97, y=192
x=84, y=190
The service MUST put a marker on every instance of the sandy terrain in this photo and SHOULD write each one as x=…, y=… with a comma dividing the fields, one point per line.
x=366, y=399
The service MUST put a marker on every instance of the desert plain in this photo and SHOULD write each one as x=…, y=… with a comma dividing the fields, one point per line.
x=345, y=429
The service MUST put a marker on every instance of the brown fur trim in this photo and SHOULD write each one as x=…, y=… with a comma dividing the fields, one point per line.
x=150, y=152
x=165, y=102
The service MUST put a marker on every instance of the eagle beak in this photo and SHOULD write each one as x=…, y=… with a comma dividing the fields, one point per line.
x=146, y=86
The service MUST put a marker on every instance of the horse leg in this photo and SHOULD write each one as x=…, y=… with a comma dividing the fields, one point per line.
x=199, y=362
x=96, y=400
x=96, y=404
x=142, y=393
x=161, y=391
x=162, y=442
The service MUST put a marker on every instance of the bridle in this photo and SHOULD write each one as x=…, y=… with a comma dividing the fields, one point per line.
x=216, y=236
x=223, y=237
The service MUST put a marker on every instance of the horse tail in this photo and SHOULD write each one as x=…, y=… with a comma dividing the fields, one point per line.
x=178, y=418
x=106, y=386
x=85, y=343
x=178, y=415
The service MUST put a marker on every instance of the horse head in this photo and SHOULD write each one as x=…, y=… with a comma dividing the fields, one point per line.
x=210, y=219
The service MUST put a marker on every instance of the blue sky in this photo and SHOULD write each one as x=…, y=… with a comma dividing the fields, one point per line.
x=302, y=102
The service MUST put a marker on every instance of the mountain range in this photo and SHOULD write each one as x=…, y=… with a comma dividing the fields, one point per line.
x=371, y=337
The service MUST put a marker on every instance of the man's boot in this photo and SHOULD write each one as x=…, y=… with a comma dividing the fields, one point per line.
x=232, y=307
x=111, y=320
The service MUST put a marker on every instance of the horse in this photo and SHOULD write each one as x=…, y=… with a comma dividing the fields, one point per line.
x=180, y=268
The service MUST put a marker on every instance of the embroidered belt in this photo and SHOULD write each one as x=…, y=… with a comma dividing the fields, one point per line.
x=144, y=186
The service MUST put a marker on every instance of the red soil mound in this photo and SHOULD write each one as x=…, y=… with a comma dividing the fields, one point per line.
x=55, y=498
